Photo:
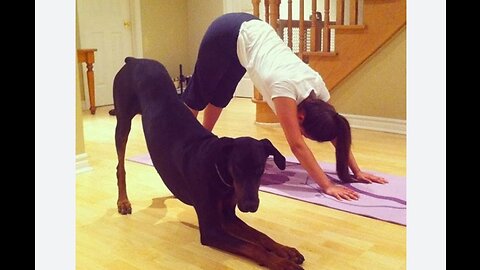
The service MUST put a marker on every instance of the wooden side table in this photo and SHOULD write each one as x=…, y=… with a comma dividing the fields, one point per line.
x=88, y=56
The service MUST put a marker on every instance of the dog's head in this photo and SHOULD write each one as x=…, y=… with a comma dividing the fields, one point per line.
x=245, y=159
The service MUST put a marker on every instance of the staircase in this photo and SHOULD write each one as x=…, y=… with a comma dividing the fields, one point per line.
x=333, y=48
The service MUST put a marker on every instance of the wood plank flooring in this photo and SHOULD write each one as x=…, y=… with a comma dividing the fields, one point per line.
x=162, y=233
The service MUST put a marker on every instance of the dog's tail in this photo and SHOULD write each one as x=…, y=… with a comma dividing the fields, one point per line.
x=129, y=59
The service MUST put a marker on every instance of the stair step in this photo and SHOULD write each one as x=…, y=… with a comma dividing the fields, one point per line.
x=306, y=55
x=322, y=54
x=327, y=54
x=348, y=27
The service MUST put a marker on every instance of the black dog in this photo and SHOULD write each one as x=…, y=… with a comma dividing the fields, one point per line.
x=212, y=174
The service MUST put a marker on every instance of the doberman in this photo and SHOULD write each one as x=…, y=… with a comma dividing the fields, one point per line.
x=212, y=174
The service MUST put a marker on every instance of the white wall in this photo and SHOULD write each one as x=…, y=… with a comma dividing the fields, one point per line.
x=200, y=13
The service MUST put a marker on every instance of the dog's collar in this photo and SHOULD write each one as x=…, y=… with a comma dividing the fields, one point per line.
x=221, y=178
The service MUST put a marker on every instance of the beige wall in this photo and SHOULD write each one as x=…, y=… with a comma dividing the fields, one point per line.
x=79, y=96
x=164, y=30
x=79, y=140
x=378, y=86
x=77, y=45
x=200, y=14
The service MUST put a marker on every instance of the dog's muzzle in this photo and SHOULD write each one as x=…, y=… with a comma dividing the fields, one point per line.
x=249, y=206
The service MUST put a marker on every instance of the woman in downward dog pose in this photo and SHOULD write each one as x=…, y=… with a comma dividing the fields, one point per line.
x=236, y=43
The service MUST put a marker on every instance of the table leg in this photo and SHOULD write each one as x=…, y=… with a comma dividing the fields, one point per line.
x=91, y=87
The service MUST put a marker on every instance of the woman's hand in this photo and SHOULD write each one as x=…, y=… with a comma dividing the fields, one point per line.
x=369, y=178
x=341, y=192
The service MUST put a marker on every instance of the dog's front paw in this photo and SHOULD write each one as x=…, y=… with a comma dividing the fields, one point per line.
x=124, y=207
x=284, y=264
x=289, y=253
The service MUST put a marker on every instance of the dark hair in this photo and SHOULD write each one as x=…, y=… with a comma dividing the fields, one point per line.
x=322, y=123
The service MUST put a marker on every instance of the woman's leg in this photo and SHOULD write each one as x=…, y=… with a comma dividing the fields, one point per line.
x=224, y=94
x=210, y=116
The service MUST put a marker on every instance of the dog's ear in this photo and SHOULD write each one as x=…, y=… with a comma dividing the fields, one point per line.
x=277, y=156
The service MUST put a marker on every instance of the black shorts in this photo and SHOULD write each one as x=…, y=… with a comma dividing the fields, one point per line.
x=217, y=70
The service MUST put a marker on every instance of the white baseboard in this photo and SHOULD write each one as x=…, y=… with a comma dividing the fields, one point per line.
x=377, y=123
x=81, y=163
x=268, y=124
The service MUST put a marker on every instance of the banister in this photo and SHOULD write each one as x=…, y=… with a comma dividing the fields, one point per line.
x=274, y=12
x=353, y=12
x=313, y=29
x=289, y=25
x=267, y=11
x=326, y=27
x=301, y=45
x=340, y=11
x=256, y=7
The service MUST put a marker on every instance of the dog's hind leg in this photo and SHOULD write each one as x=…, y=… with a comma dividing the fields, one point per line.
x=121, y=136
x=126, y=107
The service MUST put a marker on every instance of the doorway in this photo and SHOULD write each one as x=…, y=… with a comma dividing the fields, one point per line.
x=113, y=28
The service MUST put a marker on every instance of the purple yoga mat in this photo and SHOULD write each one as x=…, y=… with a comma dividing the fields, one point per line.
x=385, y=202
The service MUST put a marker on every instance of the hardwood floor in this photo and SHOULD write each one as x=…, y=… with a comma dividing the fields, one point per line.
x=162, y=233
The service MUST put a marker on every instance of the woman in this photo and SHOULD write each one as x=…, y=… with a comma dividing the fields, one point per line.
x=236, y=43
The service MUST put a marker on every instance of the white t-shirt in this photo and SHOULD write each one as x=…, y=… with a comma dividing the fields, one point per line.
x=273, y=68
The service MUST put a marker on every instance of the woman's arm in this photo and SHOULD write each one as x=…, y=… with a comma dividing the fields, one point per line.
x=358, y=174
x=287, y=115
